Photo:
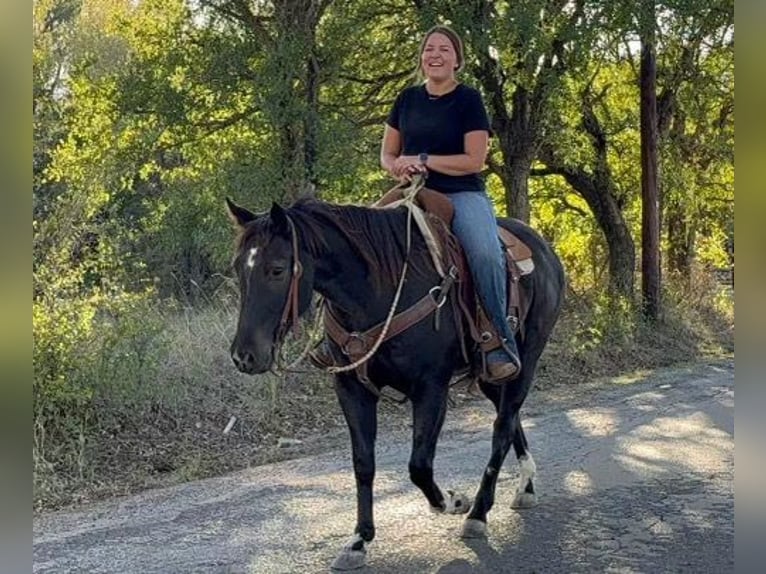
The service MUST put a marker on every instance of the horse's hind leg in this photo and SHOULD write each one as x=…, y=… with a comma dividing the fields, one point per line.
x=360, y=410
x=504, y=435
x=526, y=495
x=428, y=411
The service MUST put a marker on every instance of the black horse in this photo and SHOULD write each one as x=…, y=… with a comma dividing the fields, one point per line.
x=353, y=256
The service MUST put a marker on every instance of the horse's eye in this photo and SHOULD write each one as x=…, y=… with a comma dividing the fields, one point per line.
x=276, y=272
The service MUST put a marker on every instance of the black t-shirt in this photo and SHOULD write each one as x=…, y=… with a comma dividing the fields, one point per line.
x=436, y=126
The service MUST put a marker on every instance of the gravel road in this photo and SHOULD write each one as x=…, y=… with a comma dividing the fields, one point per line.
x=634, y=475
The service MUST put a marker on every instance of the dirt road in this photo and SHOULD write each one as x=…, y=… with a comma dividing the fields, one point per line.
x=634, y=475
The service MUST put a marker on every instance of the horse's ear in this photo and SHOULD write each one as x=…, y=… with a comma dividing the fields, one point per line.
x=279, y=218
x=238, y=215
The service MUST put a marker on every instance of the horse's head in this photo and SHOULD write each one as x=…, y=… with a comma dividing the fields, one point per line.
x=275, y=283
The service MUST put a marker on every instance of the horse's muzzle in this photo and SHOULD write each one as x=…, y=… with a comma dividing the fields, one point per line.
x=246, y=362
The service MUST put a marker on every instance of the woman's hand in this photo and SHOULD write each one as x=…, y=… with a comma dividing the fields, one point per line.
x=406, y=166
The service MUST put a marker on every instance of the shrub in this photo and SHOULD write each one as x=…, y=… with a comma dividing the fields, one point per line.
x=88, y=351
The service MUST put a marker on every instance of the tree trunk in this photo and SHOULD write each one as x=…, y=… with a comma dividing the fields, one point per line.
x=598, y=194
x=650, y=219
x=298, y=126
x=517, y=201
x=517, y=135
x=311, y=121
x=514, y=173
x=681, y=239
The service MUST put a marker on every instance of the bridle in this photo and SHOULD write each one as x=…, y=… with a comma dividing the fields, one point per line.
x=289, y=319
x=290, y=313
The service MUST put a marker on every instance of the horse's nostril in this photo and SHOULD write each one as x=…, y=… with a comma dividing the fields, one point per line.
x=243, y=361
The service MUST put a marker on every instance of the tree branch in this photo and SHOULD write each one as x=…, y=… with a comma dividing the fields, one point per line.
x=564, y=202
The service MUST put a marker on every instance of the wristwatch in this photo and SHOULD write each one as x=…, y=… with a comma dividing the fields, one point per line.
x=423, y=158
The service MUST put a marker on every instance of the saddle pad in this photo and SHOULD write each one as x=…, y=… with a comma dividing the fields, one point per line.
x=519, y=251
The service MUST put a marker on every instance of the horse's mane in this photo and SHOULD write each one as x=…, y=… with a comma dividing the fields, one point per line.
x=378, y=236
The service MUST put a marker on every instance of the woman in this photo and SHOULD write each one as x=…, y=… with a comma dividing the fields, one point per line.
x=441, y=128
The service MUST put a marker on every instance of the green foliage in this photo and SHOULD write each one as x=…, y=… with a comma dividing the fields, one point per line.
x=88, y=352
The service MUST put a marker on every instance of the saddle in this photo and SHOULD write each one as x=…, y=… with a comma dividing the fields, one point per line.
x=440, y=213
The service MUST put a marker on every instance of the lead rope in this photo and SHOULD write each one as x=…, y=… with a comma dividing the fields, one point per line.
x=410, y=193
x=312, y=336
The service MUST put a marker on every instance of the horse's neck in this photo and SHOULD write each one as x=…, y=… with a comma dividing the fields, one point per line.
x=344, y=280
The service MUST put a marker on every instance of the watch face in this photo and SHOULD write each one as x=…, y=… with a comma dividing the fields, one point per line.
x=423, y=157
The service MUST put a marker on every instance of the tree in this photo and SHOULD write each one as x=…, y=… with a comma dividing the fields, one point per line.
x=587, y=168
x=695, y=117
x=285, y=33
x=650, y=224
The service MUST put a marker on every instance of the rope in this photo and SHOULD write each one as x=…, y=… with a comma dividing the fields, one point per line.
x=318, y=324
x=410, y=193
x=434, y=246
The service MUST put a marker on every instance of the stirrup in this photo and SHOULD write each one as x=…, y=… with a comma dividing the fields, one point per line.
x=502, y=371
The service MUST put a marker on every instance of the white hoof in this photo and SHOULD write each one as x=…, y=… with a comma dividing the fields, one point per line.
x=473, y=528
x=456, y=503
x=349, y=560
x=524, y=500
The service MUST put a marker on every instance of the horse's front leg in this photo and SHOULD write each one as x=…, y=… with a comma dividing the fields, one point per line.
x=429, y=407
x=360, y=410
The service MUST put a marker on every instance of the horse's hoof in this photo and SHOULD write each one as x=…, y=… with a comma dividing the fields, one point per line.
x=456, y=503
x=473, y=528
x=524, y=500
x=349, y=560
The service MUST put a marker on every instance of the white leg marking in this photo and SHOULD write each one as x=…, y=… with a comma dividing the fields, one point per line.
x=353, y=540
x=527, y=471
x=454, y=503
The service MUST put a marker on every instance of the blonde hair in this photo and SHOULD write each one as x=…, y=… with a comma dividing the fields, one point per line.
x=454, y=39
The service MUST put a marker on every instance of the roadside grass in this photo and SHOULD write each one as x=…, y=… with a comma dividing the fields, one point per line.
x=165, y=425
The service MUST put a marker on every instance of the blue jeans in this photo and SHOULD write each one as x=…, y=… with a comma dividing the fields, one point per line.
x=475, y=226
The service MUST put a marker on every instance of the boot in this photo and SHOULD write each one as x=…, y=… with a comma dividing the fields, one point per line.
x=500, y=354
x=503, y=363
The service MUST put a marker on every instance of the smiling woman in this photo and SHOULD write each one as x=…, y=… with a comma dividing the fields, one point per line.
x=441, y=55
x=440, y=129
